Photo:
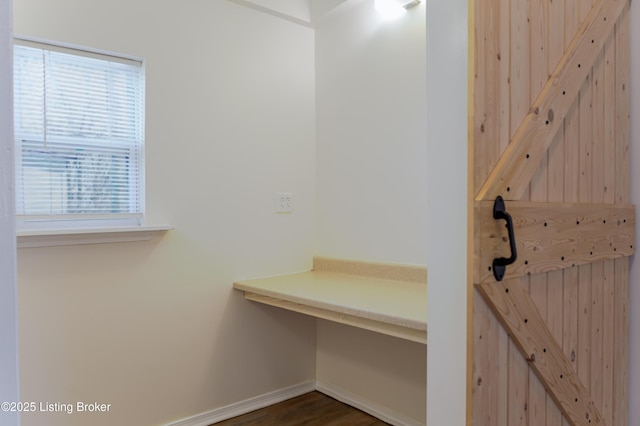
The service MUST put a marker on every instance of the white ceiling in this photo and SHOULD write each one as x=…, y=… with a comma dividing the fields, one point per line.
x=303, y=12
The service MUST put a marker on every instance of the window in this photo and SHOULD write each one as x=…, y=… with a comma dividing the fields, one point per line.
x=79, y=134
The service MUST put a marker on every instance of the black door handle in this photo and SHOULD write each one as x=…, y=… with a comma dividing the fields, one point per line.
x=500, y=264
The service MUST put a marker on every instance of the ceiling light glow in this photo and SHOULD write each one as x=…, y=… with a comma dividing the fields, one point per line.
x=392, y=9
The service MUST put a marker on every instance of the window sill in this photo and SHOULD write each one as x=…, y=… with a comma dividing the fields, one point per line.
x=65, y=237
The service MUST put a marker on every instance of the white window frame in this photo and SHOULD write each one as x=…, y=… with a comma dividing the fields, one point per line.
x=30, y=225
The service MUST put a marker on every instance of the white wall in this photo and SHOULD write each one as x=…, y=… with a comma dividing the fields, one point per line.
x=447, y=80
x=8, y=297
x=371, y=130
x=371, y=202
x=155, y=329
x=634, y=300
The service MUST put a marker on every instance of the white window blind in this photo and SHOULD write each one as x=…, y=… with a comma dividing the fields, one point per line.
x=79, y=126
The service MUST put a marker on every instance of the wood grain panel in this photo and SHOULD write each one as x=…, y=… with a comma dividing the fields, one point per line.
x=539, y=46
x=585, y=192
x=555, y=188
x=621, y=296
x=583, y=352
x=553, y=236
x=555, y=287
x=486, y=116
x=621, y=342
x=579, y=301
x=520, y=71
x=571, y=189
x=608, y=159
x=512, y=174
x=490, y=381
x=538, y=192
x=570, y=316
x=596, y=338
x=518, y=314
x=608, y=333
x=492, y=39
x=597, y=269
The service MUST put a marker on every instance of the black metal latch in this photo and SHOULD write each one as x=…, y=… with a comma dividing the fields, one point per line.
x=500, y=264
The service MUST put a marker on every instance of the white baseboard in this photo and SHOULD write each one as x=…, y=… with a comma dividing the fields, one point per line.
x=246, y=406
x=383, y=413
x=243, y=407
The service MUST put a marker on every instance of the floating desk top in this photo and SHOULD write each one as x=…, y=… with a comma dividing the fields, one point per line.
x=397, y=307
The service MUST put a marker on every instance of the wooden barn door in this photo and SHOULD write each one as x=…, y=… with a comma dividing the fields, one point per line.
x=550, y=117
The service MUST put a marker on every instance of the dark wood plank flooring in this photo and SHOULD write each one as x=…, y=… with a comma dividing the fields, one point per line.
x=311, y=409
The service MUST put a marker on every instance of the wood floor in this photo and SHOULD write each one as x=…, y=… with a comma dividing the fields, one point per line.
x=311, y=409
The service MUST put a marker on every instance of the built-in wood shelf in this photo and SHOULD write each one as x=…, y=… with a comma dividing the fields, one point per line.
x=381, y=297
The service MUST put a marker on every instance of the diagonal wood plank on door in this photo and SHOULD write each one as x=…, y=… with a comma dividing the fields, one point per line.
x=516, y=167
x=518, y=314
